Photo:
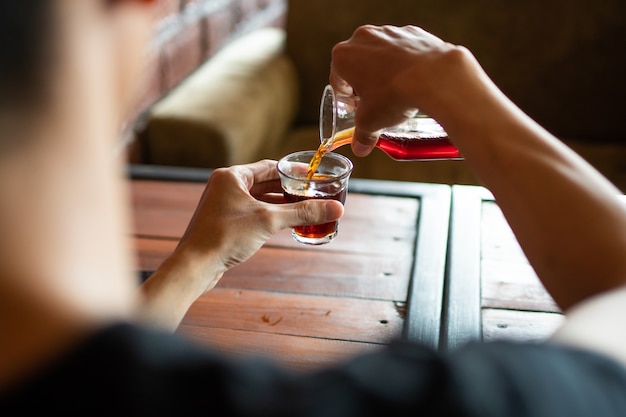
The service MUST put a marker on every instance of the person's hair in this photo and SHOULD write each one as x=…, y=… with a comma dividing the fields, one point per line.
x=25, y=48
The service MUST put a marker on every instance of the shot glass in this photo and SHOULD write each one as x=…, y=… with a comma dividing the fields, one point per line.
x=330, y=181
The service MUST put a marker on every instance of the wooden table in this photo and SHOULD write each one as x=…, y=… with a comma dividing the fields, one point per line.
x=308, y=306
x=425, y=262
x=493, y=292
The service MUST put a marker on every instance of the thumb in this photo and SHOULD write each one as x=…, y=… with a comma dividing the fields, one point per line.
x=363, y=142
x=366, y=129
x=371, y=117
x=307, y=212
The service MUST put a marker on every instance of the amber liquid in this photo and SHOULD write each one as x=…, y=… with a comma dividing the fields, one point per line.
x=316, y=231
x=316, y=160
x=398, y=146
x=414, y=149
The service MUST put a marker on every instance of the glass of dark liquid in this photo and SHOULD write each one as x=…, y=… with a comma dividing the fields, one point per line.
x=419, y=138
x=328, y=181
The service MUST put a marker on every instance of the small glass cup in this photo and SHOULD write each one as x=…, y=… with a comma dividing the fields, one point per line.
x=419, y=138
x=330, y=181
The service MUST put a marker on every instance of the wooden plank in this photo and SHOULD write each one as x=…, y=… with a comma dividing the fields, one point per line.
x=316, y=273
x=150, y=252
x=508, y=279
x=302, y=271
x=519, y=326
x=397, y=241
x=498, y=241
x=488, y=270
x=372, y=224
x=516, y=306
x=425, y=298
x=337, y=318
x=462, y=322
x=515, y=287
x=152, y=198
x=293, y=352
x=382, y=219
x=168, y=173
x=163, y=209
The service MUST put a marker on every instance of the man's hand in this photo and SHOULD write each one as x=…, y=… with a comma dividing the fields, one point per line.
x=394, y=71
x=237, y=214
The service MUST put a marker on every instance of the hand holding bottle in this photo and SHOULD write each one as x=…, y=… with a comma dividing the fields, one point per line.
x=407, y=69
x=418, y=138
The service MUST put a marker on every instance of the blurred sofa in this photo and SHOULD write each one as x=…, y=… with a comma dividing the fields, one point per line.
x=562, y=62
x=188, y=33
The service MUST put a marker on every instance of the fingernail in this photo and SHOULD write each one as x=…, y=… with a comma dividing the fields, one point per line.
x=333, y=210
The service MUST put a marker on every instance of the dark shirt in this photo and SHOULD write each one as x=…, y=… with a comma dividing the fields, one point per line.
x=126, y=370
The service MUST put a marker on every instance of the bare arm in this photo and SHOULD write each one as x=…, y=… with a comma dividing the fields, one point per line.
x=234, y=217
x=563, y=212
x=566, y=216
x=568, y=219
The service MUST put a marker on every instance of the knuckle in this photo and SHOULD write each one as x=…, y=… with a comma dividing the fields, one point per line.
x=309, y=212
x=266, y=218
x=365, y=29
x=339, y=50
x=219, y=174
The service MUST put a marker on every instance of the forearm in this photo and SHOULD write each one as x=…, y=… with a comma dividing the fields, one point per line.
x=232, y=221
x=173, y=288
x=563, y=212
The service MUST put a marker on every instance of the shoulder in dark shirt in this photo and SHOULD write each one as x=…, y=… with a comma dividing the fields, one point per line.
x=126, y=370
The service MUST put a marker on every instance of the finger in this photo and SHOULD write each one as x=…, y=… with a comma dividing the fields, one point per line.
x=257, y=172
x=363, y=142
x=306, y=213
x=265, y=187
x=338, y=83
x=367, y=129
x=373, y=115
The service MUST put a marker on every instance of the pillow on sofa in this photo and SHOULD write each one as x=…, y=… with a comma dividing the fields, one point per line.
x=231, y=108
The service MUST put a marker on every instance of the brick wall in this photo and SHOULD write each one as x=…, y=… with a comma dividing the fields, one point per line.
x=188, y=32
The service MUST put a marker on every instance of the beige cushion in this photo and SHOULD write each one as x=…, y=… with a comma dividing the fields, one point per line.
x=228, y=111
